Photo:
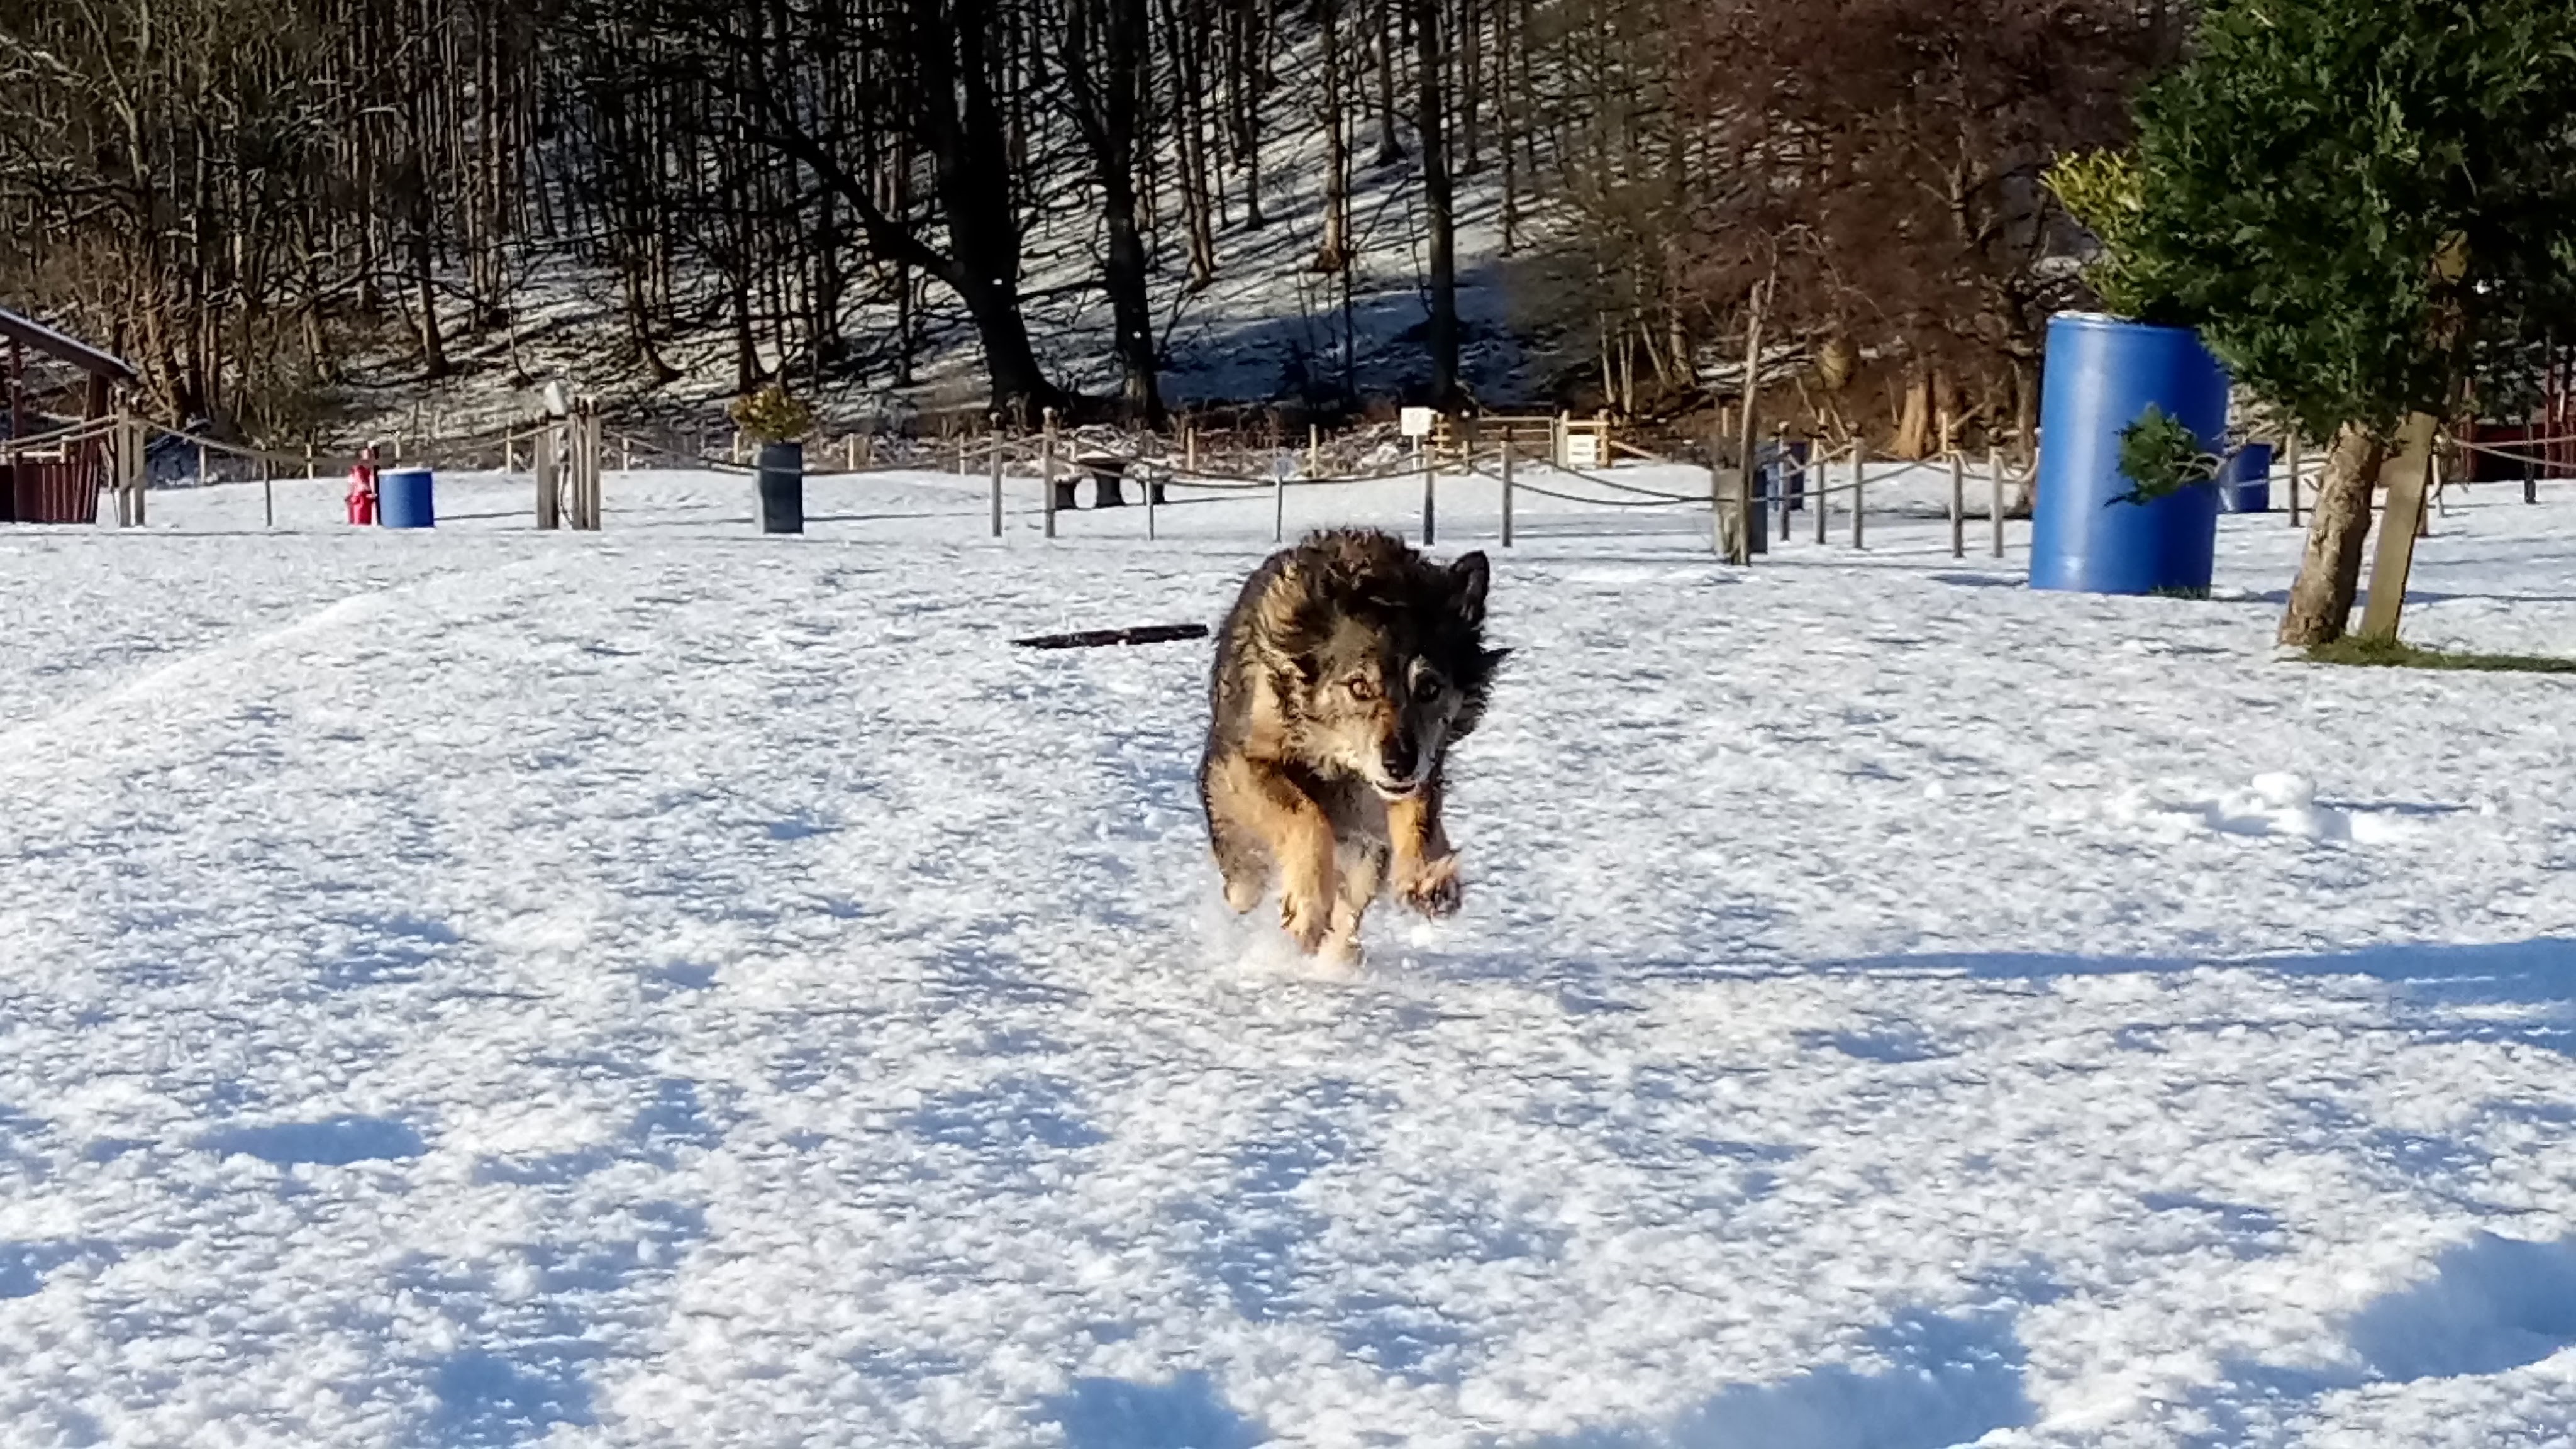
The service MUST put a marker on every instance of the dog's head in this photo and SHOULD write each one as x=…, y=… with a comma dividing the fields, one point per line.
x=1385, y=657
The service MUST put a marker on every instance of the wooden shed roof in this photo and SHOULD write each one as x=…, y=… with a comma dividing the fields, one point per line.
x=38, y=337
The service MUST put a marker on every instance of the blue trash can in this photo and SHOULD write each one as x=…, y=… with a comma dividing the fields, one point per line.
x=2100, y=376
x=403, y=499
x=2249, y=480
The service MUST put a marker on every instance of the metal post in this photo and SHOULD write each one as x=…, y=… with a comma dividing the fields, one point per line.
x=1046, y=469
x=1822, y=498
x=267, y=499
x=2294, y=480
x=1783, y=456
x=136, y=470
x=1152, y=489
x=1430, y=487
x=1507, y=488
x=1278, y=501
x=309, y=468
x=1860, y=507
x=203, y=477
x=626, y=455
x=1958, y=505
x=997, y=475
x=1995, y=496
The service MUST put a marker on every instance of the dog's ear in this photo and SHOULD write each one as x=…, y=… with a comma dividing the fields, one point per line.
x=1468, y=577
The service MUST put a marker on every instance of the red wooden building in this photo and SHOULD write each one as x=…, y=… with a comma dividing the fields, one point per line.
x=2543, y=444
x=55, y=483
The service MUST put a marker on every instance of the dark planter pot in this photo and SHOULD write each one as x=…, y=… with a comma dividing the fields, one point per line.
x=782, y=487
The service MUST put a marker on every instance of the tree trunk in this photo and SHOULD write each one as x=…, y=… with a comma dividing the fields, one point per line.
x=1334, y=253
x=2330, y=569
x=1441, y=243
x=1914, y=423
x=1126, y=268
x=1389, y=149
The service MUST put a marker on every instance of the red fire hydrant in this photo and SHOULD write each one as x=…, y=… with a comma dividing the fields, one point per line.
x=362, y=488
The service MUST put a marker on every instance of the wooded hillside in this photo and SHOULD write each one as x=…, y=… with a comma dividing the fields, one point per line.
x=265, y=203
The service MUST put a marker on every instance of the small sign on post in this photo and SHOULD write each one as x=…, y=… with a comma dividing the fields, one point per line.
x=1415, y=422
x=1582, y=449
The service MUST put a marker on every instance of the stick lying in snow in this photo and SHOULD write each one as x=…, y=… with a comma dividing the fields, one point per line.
x=1096, y=638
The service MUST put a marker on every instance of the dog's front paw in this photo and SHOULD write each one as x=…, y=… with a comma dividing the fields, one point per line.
x=1432, y=888
x=1307, y=919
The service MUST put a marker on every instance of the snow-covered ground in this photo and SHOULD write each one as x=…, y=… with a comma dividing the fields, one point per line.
x=675, y=986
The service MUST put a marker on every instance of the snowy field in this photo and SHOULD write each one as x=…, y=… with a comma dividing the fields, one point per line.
x=679, y=987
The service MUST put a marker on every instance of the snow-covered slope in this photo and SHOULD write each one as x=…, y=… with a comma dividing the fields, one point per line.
x=675, y=986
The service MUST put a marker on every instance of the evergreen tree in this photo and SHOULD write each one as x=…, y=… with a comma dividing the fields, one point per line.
x=2365, y=206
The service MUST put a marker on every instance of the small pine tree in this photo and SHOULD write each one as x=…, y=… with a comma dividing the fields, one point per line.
x=772, y=416
x=2364, y=206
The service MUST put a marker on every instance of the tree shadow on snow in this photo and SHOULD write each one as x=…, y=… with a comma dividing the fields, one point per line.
x=1946, y=1380
x=2538, y=973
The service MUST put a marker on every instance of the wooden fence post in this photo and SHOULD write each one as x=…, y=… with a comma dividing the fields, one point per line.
x=1314, y=451
x=1750, y=538
x=2294, y=479
x=546, y=459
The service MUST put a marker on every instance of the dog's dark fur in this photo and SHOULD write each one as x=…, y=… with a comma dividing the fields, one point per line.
x=1347, y=667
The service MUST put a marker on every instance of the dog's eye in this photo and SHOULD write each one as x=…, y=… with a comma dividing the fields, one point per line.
x=1429, y=686
x=1361, y=687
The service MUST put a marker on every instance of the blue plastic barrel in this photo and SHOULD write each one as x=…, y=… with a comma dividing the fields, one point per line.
x=2249, y=480
x=2101, y=375
x=402, y=499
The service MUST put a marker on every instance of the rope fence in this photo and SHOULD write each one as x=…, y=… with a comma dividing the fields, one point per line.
x=1831, y=483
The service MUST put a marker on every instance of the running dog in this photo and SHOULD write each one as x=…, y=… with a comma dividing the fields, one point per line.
x=1346, y=669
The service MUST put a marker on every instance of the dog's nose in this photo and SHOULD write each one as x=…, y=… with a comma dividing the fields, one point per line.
x=1399, y=758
